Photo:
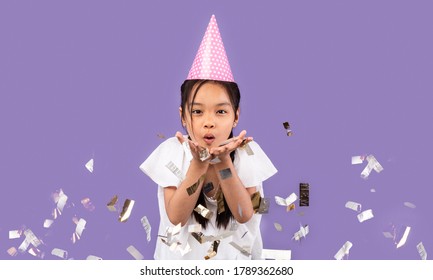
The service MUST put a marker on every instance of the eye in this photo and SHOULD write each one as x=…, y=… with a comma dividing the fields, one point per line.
x=196, y=111
x=222, y=112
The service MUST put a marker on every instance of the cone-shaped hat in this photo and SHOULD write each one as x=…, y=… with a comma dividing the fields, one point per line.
x=211, y=61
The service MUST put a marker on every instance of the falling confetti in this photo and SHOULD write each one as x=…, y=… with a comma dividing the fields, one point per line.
x=126, y=211
x=287, y=128
x=366, y=215
x=344, y=251
x=89, y=165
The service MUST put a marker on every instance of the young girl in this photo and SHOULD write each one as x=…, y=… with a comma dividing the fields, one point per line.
x=210, y=181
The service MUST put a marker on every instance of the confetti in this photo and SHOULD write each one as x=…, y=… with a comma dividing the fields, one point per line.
x=270, y=254
x=373, y=164
x=48, y=223
x=31, y=237
x=264, y=205
x=290, y=207
x=358, y=159
x=213, y=250
x=36, y=252
x=244, y=145
x=87, y=204
x=175, y=170
x=410, y=205
x=126, y=211
x=244, y=251
x=355, y=206
x=112, y=204
x=204, y=154
x=421, y=250
x=404, y=237
x=12, y=251
x=304, y=194
x=135, y=253
x=194, y=228
x=302, y=232
x=220, y=201
x=225, y=173
x=344, y=251
x=388, y=235
x=89, y=165
x=59, y=253
x=191, y=190
x=206, y=213
x=60, y=199
x=366, y=215
x=160, y=135
x=185, y=250
x=287, y=201
x=208, y=187
x=81, y=225
x=287, y=128
x=278, y=227
x=14, y=234
x=373, y=190
x=146, y=225
x=92, y=257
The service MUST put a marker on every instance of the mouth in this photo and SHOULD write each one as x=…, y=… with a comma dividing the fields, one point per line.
x=209, y=138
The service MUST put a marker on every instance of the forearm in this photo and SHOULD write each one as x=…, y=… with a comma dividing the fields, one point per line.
x=179, y=203
x=237, y=197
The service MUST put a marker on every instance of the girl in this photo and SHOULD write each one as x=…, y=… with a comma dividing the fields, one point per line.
x=210, y=182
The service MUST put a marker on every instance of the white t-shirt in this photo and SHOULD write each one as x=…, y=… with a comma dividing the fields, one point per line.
x=252, y=171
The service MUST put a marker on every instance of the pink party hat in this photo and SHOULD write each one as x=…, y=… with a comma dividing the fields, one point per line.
x=211, y=61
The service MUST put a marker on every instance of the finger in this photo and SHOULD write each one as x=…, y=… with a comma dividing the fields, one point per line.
x=242, y=134
x=179, y=137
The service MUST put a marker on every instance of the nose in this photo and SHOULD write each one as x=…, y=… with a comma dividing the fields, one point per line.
x=209, y=122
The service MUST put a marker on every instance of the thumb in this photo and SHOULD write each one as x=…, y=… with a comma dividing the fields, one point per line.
x=179, y=137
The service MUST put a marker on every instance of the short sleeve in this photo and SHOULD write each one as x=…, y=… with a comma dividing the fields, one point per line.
x=253, y=169
x=155, y=166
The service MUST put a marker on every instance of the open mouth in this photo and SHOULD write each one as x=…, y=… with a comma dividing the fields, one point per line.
x=209, y=138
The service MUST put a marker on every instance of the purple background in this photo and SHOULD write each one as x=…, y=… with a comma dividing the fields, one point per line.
x=100, y=79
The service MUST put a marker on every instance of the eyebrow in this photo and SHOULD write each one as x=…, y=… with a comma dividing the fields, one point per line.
x=219, y=104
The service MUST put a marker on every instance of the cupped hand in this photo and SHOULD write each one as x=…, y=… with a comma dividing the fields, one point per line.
x=223, y=152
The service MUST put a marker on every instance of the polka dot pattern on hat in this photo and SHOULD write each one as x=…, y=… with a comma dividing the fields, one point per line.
x=211, y=61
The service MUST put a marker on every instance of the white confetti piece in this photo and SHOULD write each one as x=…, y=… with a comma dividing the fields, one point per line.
x=278, y=227
x=135, y=253
x=59, y=253
x=410, y=205
x=286, y=201
x=366, y=215
x=244, y=250
x=48, y=223
x=89, y=165
x=373, y=190
x=388, y=234
x=146, y=225
x=270, y=254
x=302, y=232
x=194, y=228
x=203, y=211
x=354, y=206
x=81, y=225
x=358, y=159
x=344, y=251
x=14, y=234
x=92, y=257
x=404, y=237
x=421, y=250
x=373, y=164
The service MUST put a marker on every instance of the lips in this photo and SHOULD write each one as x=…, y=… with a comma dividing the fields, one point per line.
x=209, y=138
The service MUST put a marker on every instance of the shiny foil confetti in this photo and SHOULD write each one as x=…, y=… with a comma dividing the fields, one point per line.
x=270, y=254
x=286, y=201
x=112, y=204
x=204, y=154
x=287, y=128
x=344, y=251
x=191, y=190
x=255, y=200
x=421, y=251
x=87, y=204
x=225, y=173
x=81, y=225
x=301, y=233
x=278, y=227
x=60, y=199
x=59, y=253
x=208, y=187
x=290, y=207
x=126, y=211
x=194, y=228
x=175, y=170
x=213, y=250
x=135, y=253
x=48, y=223
x=373, y=164
x=31, y=237
x=354, y=206
x=366, y=215
x=12, y=251
x=404, y=237
x=358, y=159
x=203, y=211
x=89, y=165
x=264, y=205
x=198, y=236
x=410, y=205
x=36, y=252
x=185, y=250
x=13, y=234
x=304, y=194
x=219, y=196
x=244, y=145
x=92, y=257
x=244, y=251
x=146, y=225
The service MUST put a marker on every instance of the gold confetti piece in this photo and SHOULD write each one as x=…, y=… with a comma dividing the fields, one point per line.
x=194, y=228
x=92, y=257
x=354, y=206
x=12, y=251
x=302, y=232
x=287, y=128
x=191, y=190
x=290, y=207
x=13, y=234
x=248, y=149
x=213, y=250
x=344, y=251
x=270, y=254
x=404, y=237
x=278, y=227
x=126, y=211
x=48, y=223
x=206, y=213
x=421, y=250
x=175, y=170
x=204, y=154
x=219, y=196
x=245, y=251
x=89, y=165
x=135, y=253
x=255, y=199
x=198, y=236
x=112, y=204
x=286, y=201
x=59, y=253
x=146, y=225
x=87, y=204
x=410, y=205
x=366, y=215
x=304, y=194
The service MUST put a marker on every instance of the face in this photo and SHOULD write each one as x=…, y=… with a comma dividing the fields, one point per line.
x=210, y=119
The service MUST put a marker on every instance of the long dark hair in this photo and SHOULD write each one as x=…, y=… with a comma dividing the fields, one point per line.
x=234, y=94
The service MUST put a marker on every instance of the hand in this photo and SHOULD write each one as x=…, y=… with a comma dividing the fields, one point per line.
x=194, y=148
x=223, y=151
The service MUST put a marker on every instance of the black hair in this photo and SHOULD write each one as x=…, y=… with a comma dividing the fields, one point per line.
x=234, y=94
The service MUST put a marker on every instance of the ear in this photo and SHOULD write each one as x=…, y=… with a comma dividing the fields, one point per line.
x=180, y=115
x=238, y=111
